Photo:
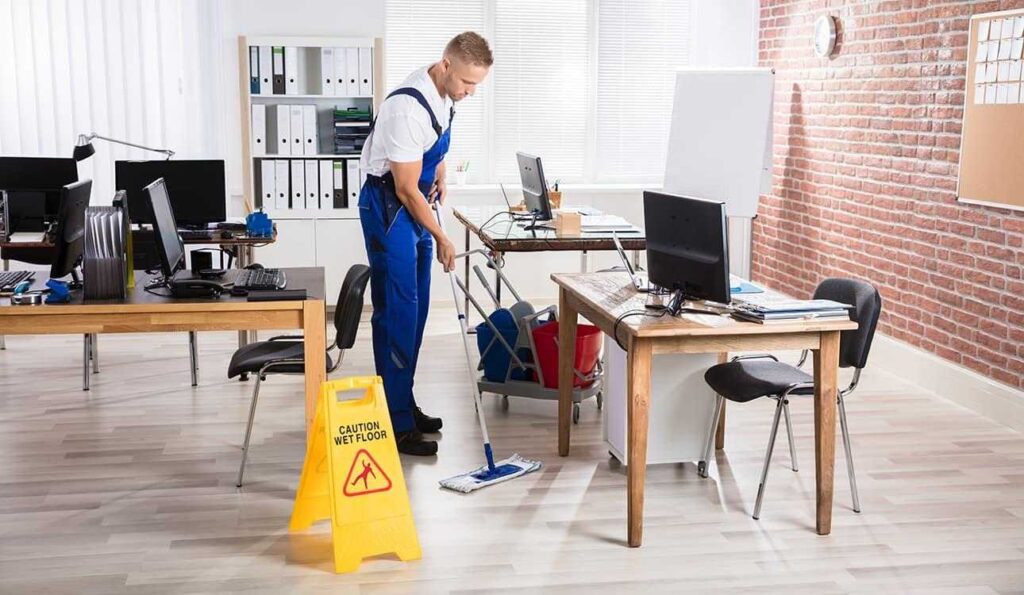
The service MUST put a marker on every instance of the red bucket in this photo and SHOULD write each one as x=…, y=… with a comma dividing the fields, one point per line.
x=588, y=348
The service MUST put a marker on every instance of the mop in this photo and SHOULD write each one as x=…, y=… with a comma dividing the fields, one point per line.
x=493, y=472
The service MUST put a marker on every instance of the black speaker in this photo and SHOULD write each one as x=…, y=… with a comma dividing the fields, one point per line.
x=201, y=260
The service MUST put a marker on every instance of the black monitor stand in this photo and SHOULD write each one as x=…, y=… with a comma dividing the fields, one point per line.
x=680, y=303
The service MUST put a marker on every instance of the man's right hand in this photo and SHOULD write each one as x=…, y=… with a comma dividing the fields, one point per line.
x=446, y=254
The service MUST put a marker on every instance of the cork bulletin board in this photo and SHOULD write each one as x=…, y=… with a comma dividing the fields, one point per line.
x=992, y=142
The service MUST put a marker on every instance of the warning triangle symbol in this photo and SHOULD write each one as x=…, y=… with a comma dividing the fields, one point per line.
x=365, y=476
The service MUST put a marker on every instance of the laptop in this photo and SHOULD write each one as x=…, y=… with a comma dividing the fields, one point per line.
x=640, y=282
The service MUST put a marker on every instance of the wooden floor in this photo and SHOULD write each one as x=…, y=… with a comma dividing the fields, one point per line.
x=130, y=489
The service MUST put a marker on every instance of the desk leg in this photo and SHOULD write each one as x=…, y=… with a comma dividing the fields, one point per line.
x=566, y=354
x=465, y=299
x=499, y=261
x=314, y=329
x=826, y=369
x=720, y=430
x=639, y=364
x=245, y=258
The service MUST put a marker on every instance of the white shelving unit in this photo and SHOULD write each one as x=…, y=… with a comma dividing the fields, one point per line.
x=328, y=237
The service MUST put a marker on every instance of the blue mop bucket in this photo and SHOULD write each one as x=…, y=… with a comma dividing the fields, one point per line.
x=493, y=355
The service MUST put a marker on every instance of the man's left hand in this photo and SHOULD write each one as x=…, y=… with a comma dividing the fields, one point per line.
x=438, y=191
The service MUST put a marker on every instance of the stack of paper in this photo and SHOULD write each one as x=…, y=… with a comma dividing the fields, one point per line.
x=766, y=308
x=104, y=264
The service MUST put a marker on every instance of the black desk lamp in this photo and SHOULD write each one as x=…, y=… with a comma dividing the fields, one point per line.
x=85, y=150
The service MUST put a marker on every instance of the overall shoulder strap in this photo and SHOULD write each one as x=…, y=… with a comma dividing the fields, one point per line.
x=415, y=94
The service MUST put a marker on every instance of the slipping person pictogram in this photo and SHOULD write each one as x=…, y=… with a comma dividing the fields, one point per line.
x=367, y=471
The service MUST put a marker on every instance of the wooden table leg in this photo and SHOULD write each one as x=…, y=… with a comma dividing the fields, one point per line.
x=314, y=329
x=566, y=355
x=637, y=406
x=826, y=369
x=720, y=429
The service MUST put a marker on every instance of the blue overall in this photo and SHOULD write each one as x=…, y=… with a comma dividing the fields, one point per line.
x=400, y=252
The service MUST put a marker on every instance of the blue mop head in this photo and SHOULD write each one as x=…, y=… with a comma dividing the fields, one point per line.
x=504, y=470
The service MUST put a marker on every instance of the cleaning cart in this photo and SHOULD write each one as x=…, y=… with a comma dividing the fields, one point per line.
x=518, y=347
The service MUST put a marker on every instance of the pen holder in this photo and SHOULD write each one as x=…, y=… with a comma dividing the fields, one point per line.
x=568, y=223
x=555, y=198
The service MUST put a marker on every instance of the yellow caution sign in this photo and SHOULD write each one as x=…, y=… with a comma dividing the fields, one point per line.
x=353, y=476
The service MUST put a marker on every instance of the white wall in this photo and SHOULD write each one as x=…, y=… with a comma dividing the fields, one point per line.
x=724, y=33
x=338, y=18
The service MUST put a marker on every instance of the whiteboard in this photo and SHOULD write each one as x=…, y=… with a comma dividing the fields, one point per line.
x=719, y=144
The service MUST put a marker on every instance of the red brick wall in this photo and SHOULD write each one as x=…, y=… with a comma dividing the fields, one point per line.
x=866, y=148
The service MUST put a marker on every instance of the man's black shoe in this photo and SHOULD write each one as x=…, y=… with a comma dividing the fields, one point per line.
x=425, y=423
x=412, y=443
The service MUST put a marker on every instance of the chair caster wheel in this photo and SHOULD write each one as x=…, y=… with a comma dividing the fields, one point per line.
x=702, y=469
x=575, y=413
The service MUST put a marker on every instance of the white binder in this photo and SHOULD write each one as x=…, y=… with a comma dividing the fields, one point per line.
x=266, y=71
x=340, y=73
x=312, y=184
x=298, y=184
x=291, y=70
x=310, y=144
x=259, y=129
x=296, y=130
x=353, y=182
x=284, y=134
x=281, y=184
x=268, y=190
x=352, y=72
x=366, y=71
x=327, y=71
x=326, y=186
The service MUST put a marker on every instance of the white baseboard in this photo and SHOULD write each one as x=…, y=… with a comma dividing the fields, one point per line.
x=953, y=382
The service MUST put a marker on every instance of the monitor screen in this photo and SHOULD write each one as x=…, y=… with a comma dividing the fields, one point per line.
x=687, y=246
x=33, y=186
x=535, y=188
x=69, y=239
x=169, y=246
x=196, y=189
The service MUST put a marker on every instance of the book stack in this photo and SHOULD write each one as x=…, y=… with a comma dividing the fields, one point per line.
x=776, y=309
x=351, y=127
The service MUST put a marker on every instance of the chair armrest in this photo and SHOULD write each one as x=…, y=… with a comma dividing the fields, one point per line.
x=755, y=356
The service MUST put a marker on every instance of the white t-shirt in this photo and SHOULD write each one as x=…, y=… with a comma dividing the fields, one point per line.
x=403, y=131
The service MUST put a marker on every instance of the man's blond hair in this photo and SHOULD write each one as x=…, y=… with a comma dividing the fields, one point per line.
x=471, y=48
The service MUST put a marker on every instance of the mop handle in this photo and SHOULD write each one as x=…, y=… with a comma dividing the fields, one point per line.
x=464, y=328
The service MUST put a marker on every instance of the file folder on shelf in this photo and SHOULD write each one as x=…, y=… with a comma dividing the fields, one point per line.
x=352, y=72
x=291, y=70
x=281, y=184
x=298, y=184
x=266, y=70
x=310, y=145
x=278, y=84
x=284, y=127
x=340, y=198
x=353, y=182
x=312, y=184
x=296, y=130
x=366, y=72
x=259, y=129
x=104, y=258
x=269, y=185
x=340, y=73
x=327, y=71
x=326, y=184
x=254, y=69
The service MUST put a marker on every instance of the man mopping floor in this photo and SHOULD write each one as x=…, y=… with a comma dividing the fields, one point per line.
x=403, y=159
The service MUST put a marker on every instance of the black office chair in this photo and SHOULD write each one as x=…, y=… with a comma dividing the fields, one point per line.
x=750, y=377
x=285, y=354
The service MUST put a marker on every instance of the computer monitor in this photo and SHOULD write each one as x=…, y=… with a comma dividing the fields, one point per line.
x=33, y=186
x=169, y=246
x=196, y=189
x=687, y=246
x=69, y=233
x=535, y=188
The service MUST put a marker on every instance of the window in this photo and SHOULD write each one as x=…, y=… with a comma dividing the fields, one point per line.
x=585, y=84
x=134, y=71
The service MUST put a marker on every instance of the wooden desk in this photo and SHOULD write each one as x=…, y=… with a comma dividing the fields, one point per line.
x=143, y=312
x=603, y=297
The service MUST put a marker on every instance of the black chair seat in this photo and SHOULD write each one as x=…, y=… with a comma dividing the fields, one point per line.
x=746, y=380
x=252, y=358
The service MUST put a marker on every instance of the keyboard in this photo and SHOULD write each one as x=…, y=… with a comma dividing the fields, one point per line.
x=260, y=279
x=198, y=234
x=8, y=279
